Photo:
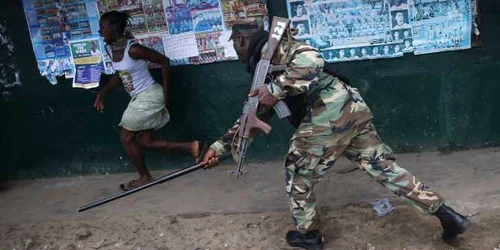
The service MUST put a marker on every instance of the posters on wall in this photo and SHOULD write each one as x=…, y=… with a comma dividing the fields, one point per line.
x=52, y=23
x=87, y=56
x=207, y=23
x=146, y=15
x=153, y=41
x=201, y=25
x=197, y=31
x=187, y=31
x=346, y=30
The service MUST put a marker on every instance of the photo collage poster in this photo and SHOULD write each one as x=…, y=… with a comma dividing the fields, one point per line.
x=348, y=30
x=441, y=25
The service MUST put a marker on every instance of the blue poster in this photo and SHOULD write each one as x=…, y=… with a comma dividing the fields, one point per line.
x=441, y=25
x=348, y=30
x=88, y=76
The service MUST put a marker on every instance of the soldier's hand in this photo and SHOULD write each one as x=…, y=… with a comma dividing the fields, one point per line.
x=264, y=96
x=210, y=159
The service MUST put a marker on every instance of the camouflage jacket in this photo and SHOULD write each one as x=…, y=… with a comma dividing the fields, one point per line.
x=331, y=105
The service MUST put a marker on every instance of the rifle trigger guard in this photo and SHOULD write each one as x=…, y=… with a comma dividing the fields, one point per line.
x=234, y=147
x=269, y=78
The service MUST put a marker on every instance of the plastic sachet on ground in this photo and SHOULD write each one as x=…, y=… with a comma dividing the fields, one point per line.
x=382, y=206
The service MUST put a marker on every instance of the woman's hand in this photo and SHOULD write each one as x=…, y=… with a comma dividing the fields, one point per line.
x=99, y=102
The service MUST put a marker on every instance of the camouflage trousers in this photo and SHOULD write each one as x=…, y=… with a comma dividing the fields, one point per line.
x=309, y=158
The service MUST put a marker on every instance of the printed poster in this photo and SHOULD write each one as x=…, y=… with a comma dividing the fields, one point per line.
x=180, y=46
x=441, y=25
x=347, y=30
x=87, y=56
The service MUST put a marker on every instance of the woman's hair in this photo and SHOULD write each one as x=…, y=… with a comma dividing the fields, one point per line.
x=120, y=19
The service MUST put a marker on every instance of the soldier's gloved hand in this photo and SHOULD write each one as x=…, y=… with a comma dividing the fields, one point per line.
x=264, y=96
x=210, y=159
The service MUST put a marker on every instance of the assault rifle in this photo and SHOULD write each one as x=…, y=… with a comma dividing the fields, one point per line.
x=249, y=119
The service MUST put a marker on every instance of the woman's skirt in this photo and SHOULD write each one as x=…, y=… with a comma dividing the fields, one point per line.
x=146, y=110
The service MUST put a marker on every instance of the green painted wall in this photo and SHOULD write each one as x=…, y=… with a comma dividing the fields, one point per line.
x=443, y=101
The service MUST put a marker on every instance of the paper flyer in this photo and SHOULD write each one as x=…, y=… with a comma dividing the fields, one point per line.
x=88, y=61
x=180, y=46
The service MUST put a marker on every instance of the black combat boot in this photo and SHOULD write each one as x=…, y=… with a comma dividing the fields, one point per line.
x=311, y=240
x=453, y=223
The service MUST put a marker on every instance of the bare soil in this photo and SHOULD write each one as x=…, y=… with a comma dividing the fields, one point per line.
x=212, y=210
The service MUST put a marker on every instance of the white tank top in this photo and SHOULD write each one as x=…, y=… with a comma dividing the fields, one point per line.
x=134, y=73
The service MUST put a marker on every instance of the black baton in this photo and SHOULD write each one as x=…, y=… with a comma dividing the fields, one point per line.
x=162, y=179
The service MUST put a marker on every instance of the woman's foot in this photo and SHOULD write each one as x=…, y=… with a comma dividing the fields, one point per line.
x=194, y=149
x=136, y=183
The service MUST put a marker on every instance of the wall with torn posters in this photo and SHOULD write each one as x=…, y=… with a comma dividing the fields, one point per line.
x=167, y=26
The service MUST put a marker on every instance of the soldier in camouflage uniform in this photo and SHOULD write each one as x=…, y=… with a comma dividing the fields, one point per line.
x=337, y=122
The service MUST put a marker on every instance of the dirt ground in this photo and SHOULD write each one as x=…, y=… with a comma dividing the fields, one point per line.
x=212, y=210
